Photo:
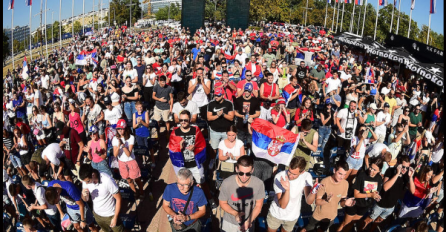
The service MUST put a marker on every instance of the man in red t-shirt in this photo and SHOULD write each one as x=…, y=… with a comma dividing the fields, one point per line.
x=248, y=79
x=228, y=86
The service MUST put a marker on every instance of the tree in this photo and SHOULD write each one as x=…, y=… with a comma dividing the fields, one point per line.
x=174, y=12
x=16, y=46
x=122, y=12
x=77, y=27
x=6, y=51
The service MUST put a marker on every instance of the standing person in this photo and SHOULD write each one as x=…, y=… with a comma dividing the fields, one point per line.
x=220, y=115
x=149, y=81
x=130, y=94
x=333, y=191
x=280, y=115
x=94, y=116
x=327, y=121
x=231, y=149
x=248, y=80
x=241, y=197
x=111, y=114
x=366, y=190
x=184, y=203
x=97, y=151
x=346, y=120
x=400, y=108
x=79, y=212
x=395, y=179
x=269, y=93
x=184, y=104
x=289, y=186
x=383, y=119
x=105, y=196
x=39, y=192
x=293, y=101
x=308, y=142
x=142, y=132
x=123, y=144
x=21, y=146
x=71, y=144
x=163, y=96
x=75, y=121
x=200, y=88
x=416, y=120
x=140, y=68
x=318, y=75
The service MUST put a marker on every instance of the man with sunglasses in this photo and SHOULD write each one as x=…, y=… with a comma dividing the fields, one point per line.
x=395, y=179
x=248, y=79
x=241, y=197
x=184, y=104
x=289, y=186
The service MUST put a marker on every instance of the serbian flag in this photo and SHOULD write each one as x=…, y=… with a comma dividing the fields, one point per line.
x=81, y=59
x=25, y=69
x=29, y=2
x=382, y=2
x=348, y=1
x=328, y=1
x=370, y=76
x=359, y=2
x=412, y=6
x=176, y=155
x=272, y=142
x=242, y=77
x=288, y=91
x=11, y=5
x=433, y=7
x=418, y=199
x=66, y=222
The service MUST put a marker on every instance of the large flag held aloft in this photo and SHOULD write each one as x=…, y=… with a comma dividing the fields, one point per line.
x=272, y=142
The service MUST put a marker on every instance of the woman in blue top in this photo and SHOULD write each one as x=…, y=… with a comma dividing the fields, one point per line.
x=142, y=132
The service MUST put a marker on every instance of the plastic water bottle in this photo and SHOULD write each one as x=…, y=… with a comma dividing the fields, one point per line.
x=245, y=120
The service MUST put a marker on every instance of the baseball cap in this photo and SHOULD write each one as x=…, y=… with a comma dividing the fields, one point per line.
x=107, y=101
x=373, y=106
x=71, y=101
x=386, y=105
x=218, y=92
x=121, y=124
x=93, y=129
x=248, y=87
x=59, y=127
x=281, y=101
x=16, y=179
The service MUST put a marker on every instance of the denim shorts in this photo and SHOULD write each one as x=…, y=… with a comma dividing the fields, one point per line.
x=15, y=160
x=102, y=167
x=381, y=212
x=216, y=137
x=355, y=164
x=75, y=215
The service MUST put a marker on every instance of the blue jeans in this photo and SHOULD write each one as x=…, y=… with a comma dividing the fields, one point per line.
x=216, y=137
x=75, y=215
x=129, y=110
x=15, y=160
x=102, y=167
x=246, y=138
x=381, y=212
x=324, y=135
x=55, y=220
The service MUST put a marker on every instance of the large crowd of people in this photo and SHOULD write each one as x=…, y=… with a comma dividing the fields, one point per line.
x=369, y=154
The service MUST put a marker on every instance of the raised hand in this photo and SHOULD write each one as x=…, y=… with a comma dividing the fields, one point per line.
x=285, y=183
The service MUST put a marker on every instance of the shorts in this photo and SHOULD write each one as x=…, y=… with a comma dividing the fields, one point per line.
x=75, y=215
x=15, y=160
x=104, y=223
x=26, y=158
x=381, y=212
x=158, y=114
x=216, y=137
x=324, y=224
x=129, y=170
x=41, y=135
x=355, y=164
x=229, y=227
x=356, y=210
x=198, y=173
x=143, y=141
x=274, y=223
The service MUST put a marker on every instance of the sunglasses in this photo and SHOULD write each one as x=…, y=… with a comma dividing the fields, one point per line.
x=248, y=174
x=183, y=120
x=248, y=75
x=407, y=168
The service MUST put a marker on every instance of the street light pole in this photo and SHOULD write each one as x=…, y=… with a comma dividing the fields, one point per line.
x=130, y=5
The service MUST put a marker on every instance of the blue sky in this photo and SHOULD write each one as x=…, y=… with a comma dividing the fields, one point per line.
x=21, y=12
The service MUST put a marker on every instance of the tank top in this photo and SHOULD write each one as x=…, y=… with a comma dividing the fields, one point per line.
x=269, y=91
x=76, y=123
x=45, y=122
x=22, y=144
x=141, y=130
x=93, y=146
x=132, y=93
x=114, y=97
x=302, y=149
x=373, y=91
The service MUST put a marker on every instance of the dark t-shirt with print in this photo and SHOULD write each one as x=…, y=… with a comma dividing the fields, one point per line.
x=301, y=72
x=241, y=105
x=221, y=124
x=189, y=139
x=366, y=184
x=161, y=92
x=71, y=147
x=390, y=197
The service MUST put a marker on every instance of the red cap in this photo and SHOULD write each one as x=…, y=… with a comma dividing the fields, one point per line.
x=121, y=124
x=218, y=92
x=281, y=101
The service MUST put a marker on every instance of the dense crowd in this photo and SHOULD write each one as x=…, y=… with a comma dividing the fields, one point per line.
x=87, y=120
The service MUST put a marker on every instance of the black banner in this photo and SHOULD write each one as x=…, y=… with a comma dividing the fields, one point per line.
x=422, y=52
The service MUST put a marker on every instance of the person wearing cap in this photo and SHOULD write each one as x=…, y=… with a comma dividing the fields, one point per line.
x=246, y=108
x=383, y=119
x=97, y=151
x=279, y=113
x=72, y=146
x=123, y=144
x=220, y=115
x=111, y=114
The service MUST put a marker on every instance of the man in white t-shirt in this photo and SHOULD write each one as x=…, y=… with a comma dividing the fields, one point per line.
x=380, y=150
x=289, y=185
x=184, y=104
x=200, y=87
x=346, y=120
x=241, y=57
x=383, y=120
x=345, y=75
x=111, y=114
x=39, y=192
x=45, y=80
x=105, y=196
x=333, y=83
x=386, y=89
x=52, y=155
x=38, y=98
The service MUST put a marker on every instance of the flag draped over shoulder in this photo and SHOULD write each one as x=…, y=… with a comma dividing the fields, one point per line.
x=272, y=142
x=176, y=155
x=418, y=199
x=84, y=56
x=288, y=91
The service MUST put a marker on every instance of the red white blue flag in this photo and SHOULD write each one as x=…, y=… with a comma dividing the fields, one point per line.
x=359, y=2
x=348, y=1
x=272, y=142
x=328, y=1
x=412, y=6
x=176, y=154
x=382, y=2
x=29, y=2
x=433, y=7
x=11, y=4
x=288, y=91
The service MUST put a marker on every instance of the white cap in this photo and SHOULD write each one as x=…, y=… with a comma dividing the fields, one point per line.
x=373, y=106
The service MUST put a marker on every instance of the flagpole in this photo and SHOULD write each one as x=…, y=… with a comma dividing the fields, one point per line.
x=363, y=20
x=351, y=21
x=359, y=19
x=72, y=18
x=391, y=21
x=30, y=38
x=60, y=24
x=12, y=36
x=92, y=29
x=46, y=39
x=410, y=20
x=427, y=42
x=326, y=8
x=83, y=17
x=306, y=12
x=334, y=13
x=342, y=17
x=337, y=18
x=399, y=13
x=376, y=23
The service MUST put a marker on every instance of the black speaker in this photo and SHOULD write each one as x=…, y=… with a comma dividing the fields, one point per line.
x=237, y=14
x=192, y=14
